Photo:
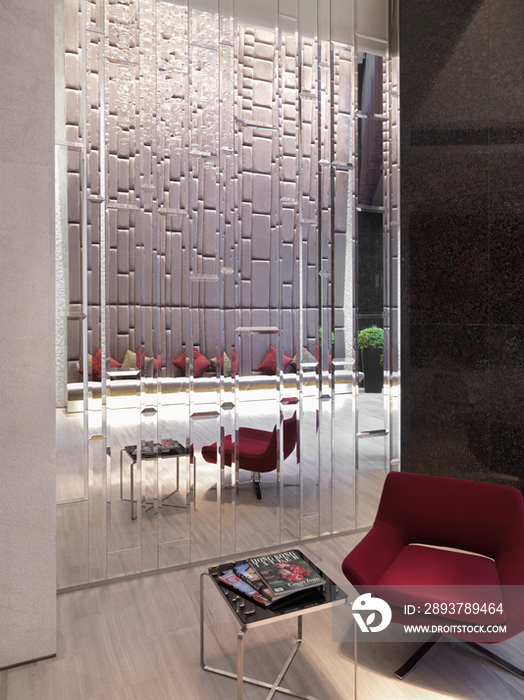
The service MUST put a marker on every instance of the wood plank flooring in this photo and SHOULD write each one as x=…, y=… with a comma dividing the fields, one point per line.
x=138, y=639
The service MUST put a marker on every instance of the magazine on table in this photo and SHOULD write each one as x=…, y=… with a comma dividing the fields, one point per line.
x=170, y=446
x=285, y=573
x=249, y=575
x=232, y=580
x=149, y=448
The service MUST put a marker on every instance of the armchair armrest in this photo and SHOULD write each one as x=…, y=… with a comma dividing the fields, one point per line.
x=372, y=556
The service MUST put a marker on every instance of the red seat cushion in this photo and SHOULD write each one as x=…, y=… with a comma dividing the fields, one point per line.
x=257, y=450
x=425, y=575
x=209, y=452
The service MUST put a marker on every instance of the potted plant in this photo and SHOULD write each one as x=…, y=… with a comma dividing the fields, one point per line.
x=371, y=344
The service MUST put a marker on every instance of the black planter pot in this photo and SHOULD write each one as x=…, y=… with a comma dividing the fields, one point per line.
x=373, y=371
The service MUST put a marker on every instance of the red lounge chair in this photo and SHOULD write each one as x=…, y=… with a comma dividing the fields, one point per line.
x=256, y=451
x=402, y=560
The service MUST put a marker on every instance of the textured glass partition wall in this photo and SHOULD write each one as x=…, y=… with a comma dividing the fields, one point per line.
x=377, y=264
x=208, y=181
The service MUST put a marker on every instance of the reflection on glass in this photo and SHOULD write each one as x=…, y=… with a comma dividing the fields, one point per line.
x=223, y=257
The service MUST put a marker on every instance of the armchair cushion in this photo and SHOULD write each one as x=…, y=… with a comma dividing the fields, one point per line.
x=437, y=539
x=427, y=575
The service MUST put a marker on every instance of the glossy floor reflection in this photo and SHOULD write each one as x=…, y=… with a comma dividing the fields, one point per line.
x=324, y=493
x=138, y=639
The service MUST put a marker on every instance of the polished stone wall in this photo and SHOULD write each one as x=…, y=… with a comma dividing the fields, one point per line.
x=462, y=160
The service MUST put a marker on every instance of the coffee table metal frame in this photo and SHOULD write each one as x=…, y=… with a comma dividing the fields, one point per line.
x=240, y=603
x=127, y=449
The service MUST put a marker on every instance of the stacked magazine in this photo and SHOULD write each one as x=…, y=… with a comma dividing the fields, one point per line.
x=232, y=580
x=274, y=576
x=149, y=448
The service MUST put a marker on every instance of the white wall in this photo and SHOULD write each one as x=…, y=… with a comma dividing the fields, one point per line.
x=27, y=388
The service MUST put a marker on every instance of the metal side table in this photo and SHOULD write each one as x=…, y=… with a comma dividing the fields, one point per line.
x=249, y=615
x=160, y=451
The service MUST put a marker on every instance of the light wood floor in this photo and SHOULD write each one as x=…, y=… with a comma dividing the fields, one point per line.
x=138, y=639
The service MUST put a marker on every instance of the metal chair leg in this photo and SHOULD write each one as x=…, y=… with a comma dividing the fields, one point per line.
x=256, y=484
x=421, y=652
x=506, y=665
x=427, y=646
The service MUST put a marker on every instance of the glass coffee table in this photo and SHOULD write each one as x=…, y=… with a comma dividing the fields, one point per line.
x=250, y=615
x=150, y=450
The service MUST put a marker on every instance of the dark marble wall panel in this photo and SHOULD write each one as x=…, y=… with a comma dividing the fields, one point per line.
x=462, y=155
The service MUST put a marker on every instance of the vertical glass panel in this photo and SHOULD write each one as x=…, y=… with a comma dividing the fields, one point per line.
x=373, y=336
x=230, y=226
x=122, y=30
x=257, y=473
x=150, y=491
x=122, y=129
x=308, y=287
x=344, y=459
x=257, y=456
x=324, y=271
x=71, y=453
x=94, y=10
x=342, y=291
x=123, y=563
x=289, y=274
x=309, y=468
x=372, y=470
x=97, y=507
x=72, y=535
x=205, y=435
x=176, y=479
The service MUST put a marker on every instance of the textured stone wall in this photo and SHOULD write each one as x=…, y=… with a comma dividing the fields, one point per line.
x=462, y=69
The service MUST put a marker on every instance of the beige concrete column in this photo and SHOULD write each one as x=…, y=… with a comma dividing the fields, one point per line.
x=27, y=385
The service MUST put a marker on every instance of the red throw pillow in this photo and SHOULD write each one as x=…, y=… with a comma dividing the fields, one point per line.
x=269, y=363
x=200, y=363
x=143, y=363
x=97, y=365
x=235, y=362
x=180, y=362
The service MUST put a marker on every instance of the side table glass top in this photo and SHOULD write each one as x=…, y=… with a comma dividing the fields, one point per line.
x=249, y=612
x=166, y=448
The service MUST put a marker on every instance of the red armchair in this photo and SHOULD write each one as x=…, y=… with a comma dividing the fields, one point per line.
x=410, y=555
x=256, y=451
